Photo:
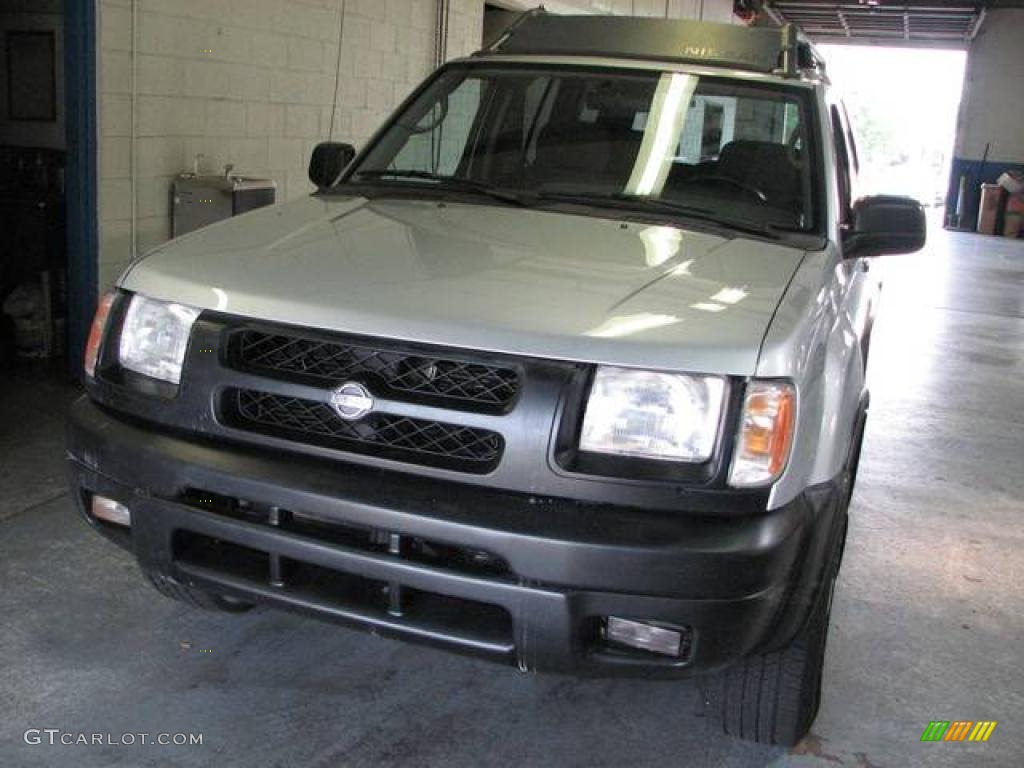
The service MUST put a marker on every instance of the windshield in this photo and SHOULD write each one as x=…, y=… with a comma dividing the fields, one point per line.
x=711, y=147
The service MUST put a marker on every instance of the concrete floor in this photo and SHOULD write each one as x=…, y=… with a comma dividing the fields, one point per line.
x=928, y=621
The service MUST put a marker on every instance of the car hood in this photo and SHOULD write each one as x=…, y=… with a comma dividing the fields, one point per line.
x=503, y=279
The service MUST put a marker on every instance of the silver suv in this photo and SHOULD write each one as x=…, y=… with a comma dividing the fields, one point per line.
x=565, y=369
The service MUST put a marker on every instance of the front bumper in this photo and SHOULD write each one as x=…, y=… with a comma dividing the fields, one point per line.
x=509, y=577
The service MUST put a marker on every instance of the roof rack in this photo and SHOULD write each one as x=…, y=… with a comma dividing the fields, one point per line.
x=798, y=55
x=781, y=51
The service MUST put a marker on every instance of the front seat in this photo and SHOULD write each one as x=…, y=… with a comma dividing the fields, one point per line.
x=572, y=153
x=767, y=166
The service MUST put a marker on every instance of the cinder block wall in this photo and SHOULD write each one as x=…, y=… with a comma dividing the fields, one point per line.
x=248, y=82
x=252, y=82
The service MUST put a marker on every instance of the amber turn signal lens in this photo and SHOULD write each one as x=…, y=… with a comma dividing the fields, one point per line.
x=99, y=324
x=766, y=433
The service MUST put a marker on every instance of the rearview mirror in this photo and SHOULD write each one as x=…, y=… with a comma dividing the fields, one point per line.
x=328, y=161
x=883, y=225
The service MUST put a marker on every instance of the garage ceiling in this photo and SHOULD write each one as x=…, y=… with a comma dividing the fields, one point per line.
x=914, y=22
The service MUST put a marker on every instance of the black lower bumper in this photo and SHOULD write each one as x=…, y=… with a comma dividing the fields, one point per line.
x=509, y=577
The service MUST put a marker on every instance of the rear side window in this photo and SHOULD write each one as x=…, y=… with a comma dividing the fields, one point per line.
x=851, y=141
x=842, y=165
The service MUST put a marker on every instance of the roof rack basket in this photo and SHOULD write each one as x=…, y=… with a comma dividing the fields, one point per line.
x=781, y=51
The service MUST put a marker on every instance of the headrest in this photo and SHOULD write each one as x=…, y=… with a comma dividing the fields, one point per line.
x=743, y=155
x=619, y=98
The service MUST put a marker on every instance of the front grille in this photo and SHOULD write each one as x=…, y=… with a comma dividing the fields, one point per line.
x=388, y=606
x=386, y=368
x=434, y=443
x=443, y=555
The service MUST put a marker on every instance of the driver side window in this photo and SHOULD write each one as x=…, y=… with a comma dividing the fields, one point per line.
x=437, y=143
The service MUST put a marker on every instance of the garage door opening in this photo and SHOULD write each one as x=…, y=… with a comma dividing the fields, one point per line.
x=903, y=103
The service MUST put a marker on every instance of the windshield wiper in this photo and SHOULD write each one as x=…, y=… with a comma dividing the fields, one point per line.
x=626, y=200
x=697, y=212
x=411, y=173
x=533, y=197
x=453, y=183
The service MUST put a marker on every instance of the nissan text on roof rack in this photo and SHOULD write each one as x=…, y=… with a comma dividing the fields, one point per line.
x=564, y=369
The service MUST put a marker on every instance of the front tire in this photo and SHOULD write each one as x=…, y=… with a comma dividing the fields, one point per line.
x=773, y=698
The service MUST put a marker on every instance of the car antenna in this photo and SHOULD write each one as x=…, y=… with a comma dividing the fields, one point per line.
x=511, y=29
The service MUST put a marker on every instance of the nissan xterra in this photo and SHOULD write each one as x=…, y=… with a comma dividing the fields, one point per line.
x=564, y=369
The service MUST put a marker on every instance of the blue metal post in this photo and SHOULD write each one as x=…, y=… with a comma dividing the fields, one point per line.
x=81, y=175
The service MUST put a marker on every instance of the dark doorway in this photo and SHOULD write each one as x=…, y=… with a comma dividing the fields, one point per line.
x=34, y=288
x=47, y=184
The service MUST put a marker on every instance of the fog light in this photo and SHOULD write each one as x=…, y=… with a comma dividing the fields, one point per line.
x=111, y=511
x=646, y=637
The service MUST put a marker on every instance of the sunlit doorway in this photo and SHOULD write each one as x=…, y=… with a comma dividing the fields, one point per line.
x=903, y=103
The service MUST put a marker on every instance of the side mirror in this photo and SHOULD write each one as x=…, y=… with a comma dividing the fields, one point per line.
x=328, y=161
x=885, y=224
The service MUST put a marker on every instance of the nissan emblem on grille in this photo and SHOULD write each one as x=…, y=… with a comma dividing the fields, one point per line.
x=351, y=401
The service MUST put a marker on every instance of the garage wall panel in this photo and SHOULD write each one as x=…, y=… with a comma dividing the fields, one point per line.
x=991, y=111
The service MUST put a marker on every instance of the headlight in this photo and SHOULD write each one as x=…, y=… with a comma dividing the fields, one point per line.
x=154, y=337
x=667, y=416
x=765, y=435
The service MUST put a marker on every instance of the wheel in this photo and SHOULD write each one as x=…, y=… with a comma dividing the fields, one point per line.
x=773, y=698
x=197, y=598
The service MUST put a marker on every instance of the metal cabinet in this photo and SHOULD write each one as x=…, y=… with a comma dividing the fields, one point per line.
x=199, y=200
